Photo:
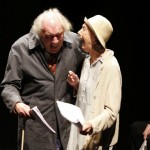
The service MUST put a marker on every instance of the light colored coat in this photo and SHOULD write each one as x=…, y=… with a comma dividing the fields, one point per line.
x=104, y=115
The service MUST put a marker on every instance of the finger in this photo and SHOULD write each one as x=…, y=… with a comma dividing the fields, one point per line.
x=70, y=72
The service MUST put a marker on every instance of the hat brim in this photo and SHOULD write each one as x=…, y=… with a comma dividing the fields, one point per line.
x=98, y=36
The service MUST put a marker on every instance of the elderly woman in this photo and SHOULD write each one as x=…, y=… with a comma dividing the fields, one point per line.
x=98, y=90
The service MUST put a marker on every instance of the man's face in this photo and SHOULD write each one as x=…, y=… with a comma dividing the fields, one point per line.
x=52, y=37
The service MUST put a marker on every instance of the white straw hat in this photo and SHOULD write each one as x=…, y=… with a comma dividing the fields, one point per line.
x=101, y=27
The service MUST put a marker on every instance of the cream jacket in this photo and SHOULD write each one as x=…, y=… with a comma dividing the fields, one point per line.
x=106, y=102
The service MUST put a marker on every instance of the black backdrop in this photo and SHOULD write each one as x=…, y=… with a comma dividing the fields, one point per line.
x=130, y=42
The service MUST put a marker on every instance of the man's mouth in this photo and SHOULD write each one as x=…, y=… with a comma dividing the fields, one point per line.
x=53, y=46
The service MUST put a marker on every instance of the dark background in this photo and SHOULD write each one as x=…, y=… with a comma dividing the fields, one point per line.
x=130, y=42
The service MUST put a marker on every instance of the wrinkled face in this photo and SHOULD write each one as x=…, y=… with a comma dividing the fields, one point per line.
x=52, y=36
x=86, y=38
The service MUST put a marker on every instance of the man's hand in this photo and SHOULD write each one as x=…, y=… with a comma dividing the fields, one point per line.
x=22, y=109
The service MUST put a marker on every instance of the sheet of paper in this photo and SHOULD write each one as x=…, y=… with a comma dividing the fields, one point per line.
x=39, y=117
x=144, y=145
x=72, y=113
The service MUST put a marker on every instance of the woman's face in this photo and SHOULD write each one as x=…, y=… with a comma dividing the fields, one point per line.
x=86, y=38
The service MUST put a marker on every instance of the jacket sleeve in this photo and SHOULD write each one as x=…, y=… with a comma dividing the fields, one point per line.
x=11, y=83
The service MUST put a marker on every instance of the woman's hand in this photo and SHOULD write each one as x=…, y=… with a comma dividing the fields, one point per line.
x=146, y=131
x=86, y=129
x=73, y=80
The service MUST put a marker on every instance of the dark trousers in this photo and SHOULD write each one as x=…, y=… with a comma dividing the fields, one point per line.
x=136, y=135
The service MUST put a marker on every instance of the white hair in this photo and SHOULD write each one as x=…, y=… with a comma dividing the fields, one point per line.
x=37, y=24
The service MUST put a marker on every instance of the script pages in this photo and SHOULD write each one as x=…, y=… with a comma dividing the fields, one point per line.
x=72, y=113
x=144, y=145
x=39, y=117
